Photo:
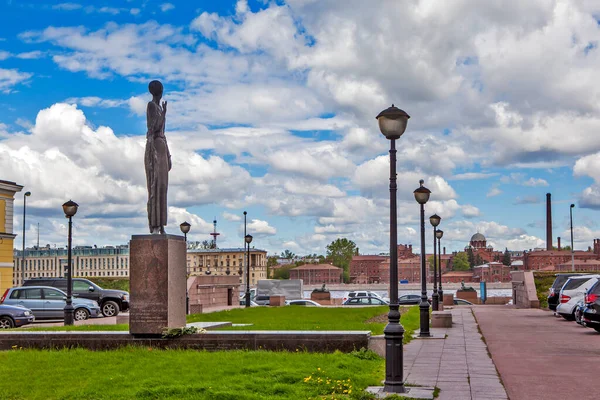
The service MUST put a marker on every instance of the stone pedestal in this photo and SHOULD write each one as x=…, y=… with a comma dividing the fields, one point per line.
x=157, y=281
x=323, y=298
x=468, y=295
x=277, y=301
x=448, y=299
x=441, y=319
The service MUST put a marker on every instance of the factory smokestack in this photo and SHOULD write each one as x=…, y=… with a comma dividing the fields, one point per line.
x=558, y=245
x=548, y=222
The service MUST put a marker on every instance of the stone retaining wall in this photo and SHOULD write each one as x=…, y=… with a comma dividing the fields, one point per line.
x=524, y=292
x=313, y=341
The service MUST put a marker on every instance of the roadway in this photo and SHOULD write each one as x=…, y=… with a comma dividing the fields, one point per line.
x=540, y=356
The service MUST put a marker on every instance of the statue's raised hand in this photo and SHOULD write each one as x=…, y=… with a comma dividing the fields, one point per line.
x=164, y=106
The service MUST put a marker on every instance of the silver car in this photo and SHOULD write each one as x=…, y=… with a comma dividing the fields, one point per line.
x=49, y=303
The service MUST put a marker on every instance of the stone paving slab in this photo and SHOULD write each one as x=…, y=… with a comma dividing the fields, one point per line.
x=459, y=366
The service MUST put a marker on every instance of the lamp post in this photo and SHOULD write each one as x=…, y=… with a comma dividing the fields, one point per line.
x=392, y=124
x=25, y=196
x=435, y=300
x=572, y=249
x=70, y=209
x=422, y=196
x=438, y=235
x=248, y=239
x=185, y=228
x=247, y=297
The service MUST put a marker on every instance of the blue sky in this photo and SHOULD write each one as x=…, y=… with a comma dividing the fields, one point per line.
x=272, y=110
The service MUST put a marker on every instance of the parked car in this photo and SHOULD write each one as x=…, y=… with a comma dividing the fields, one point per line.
x=252, y=303
x=111, y=301
x=409, y=299
x=591, y=312
x=302, y=302
x=572, y=292
x=554, y=291
x=365, y=301
x=47, y=302
x=14, y=317
x=461, y=302
x=262, y=300
x=362, y=293
x=578, y=313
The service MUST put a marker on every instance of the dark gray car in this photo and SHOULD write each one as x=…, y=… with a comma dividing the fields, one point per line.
x=14, y=317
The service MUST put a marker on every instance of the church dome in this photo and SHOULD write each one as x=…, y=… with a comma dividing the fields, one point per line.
x=478, y=237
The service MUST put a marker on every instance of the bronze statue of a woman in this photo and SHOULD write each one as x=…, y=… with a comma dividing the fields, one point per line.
x=157, y=160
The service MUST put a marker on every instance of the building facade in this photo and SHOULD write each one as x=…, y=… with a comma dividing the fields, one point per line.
x=492, y=272
x=227, y=261
x=88, y=262
x=317, y=274
x=7, y=198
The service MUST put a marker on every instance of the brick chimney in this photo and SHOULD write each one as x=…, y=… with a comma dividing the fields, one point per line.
x=558, y=238
x=548, y=222
x=444, y=250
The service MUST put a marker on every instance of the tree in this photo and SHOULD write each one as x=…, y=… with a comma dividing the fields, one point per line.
x=283, y=272
x=271, y=262
x=478, y=260
x=288, y=255
x=431, y=260
x=340, y=252
x=460, y=262
x=470, y=257
x=506, y=259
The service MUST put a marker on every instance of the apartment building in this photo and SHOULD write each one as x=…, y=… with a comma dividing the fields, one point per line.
x=228, y=261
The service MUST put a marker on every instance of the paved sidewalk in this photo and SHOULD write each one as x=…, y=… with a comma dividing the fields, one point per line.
x=540, y=356
x=459, y=365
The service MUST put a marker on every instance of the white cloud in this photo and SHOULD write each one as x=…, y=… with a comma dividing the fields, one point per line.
x=535, y=182
x=67, y=6
x=493, y=192
x=164, y=7
x=12, y=77
x=257, y=227
x=135, y=11
x=231, y=217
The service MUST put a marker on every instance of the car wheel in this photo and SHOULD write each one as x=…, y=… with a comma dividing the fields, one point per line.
x=6, y=323
x=81, y=314
x=110, y=309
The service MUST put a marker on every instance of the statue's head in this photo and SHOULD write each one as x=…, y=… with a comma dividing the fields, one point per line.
x=156, y=88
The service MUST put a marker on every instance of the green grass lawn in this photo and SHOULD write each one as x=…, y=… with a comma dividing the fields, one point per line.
x=146, y=373
x=290, y=318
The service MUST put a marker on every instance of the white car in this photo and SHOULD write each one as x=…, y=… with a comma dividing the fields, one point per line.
x=363, y=293
x=573, y=292
x=302, y=302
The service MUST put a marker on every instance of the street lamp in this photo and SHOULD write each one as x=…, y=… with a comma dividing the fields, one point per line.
x=439, y=234
x=572, y=249
x=70, y=209
x=248, y=239
x=392, y=124
x=247, y=299
x=185, y=228
x=435, y=300
x=422, y=196
x=25, y=196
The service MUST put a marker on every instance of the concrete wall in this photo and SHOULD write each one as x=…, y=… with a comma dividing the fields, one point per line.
x=213, y=291
x=314, y=341
x=524, y=293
